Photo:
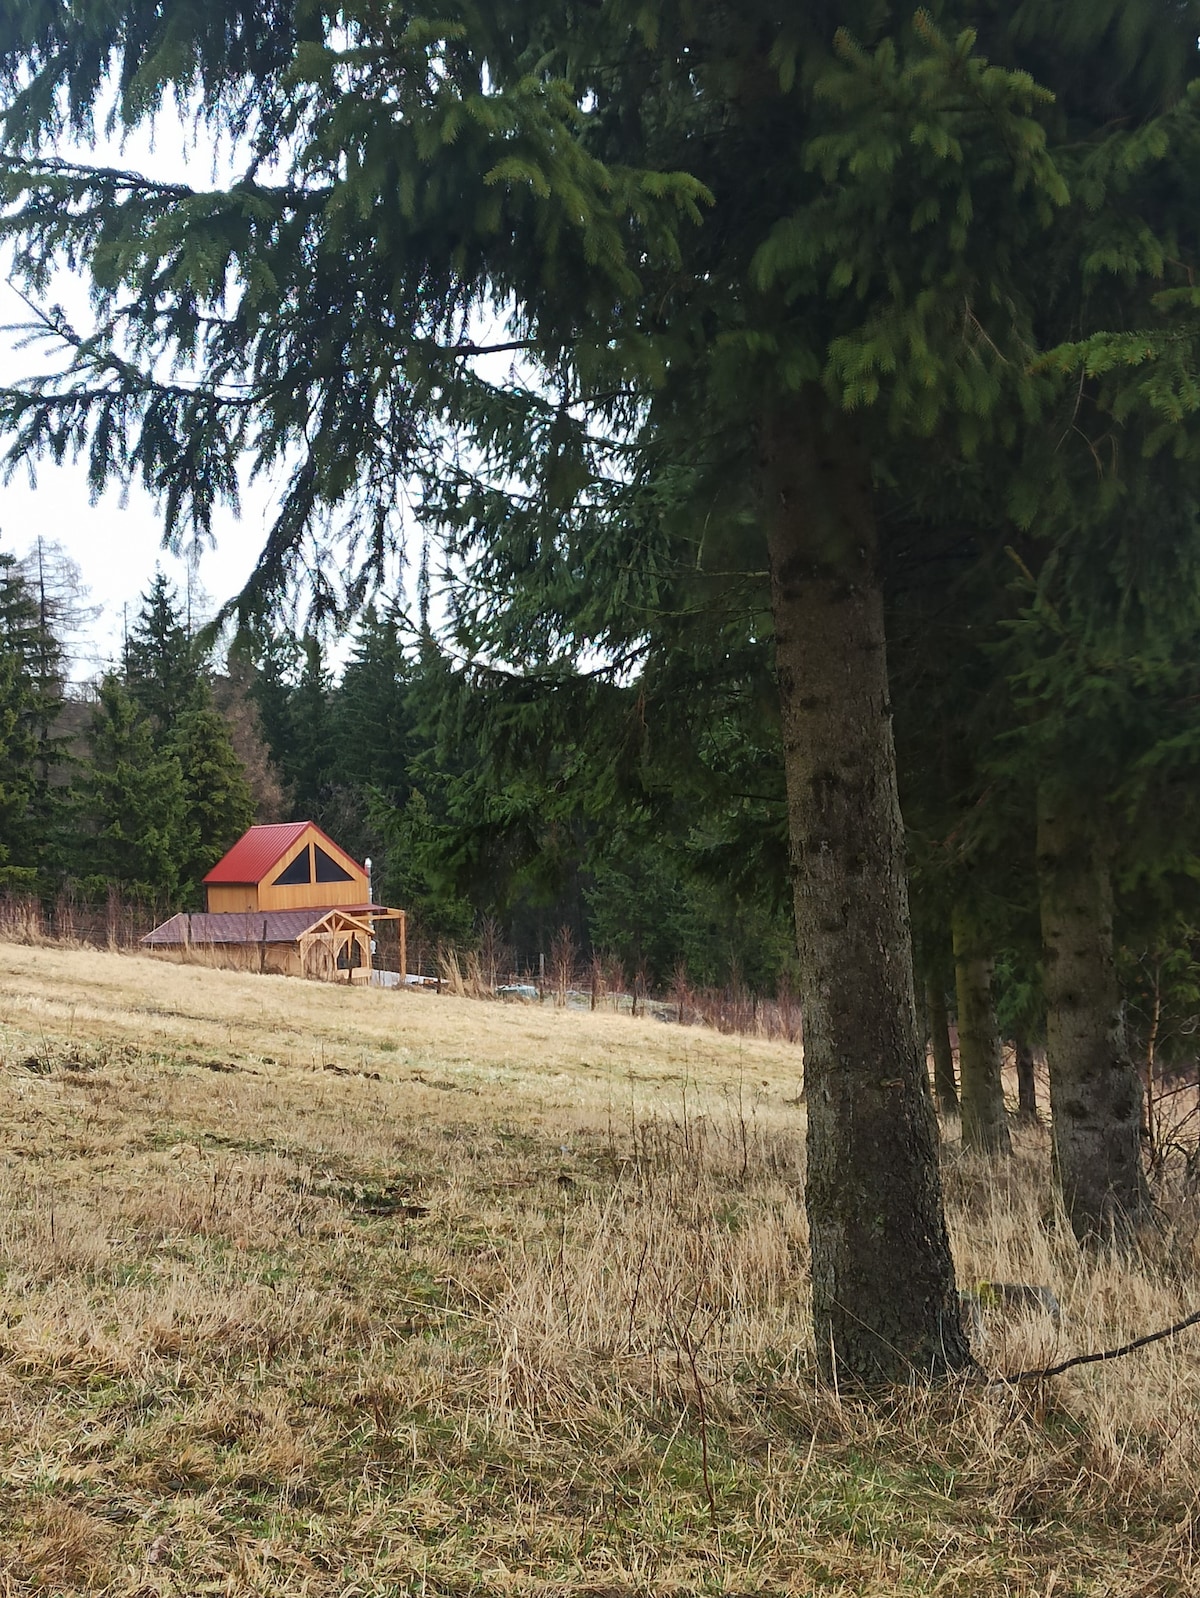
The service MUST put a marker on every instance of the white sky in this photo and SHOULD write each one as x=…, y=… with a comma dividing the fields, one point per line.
x=117, y=541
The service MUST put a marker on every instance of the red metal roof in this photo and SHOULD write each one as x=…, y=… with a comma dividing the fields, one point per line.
x=256, y=851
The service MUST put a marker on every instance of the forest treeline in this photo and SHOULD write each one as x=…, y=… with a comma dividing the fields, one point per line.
x=135, y=784
x=138, y=783
x=642, y=824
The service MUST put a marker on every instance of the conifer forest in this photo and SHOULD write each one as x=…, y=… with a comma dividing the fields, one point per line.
x=788, y=418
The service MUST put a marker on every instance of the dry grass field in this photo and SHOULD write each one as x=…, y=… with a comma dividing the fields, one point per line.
x=351, y=1293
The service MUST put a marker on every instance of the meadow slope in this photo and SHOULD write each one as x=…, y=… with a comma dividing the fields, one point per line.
x=306, y=1290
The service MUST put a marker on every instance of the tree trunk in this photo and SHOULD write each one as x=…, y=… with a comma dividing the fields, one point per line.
x=944, y=1084
x=884, y=1301
x=1095, y=1093
x=1026, y=1081
x=980, y=1063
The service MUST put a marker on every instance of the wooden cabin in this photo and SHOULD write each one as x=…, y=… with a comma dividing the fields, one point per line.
x=285, y=899
x=291, y=866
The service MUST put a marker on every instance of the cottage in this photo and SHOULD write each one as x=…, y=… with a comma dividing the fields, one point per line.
x=293, y=866
x=285, y=899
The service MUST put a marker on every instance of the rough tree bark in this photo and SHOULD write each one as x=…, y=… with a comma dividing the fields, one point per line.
x=1026, y=1080
x=884, y=1300
x=980, y=1063
x=944, y=1084
x=1095, y=1092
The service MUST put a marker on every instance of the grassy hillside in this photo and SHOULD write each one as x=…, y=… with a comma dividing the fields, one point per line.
x=326, y=1292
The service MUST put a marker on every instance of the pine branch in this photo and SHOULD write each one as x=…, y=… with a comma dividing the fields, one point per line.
x=466, y=348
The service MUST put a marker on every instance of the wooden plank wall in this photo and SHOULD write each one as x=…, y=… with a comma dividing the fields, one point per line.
x=224, y=900
x=312, y=895
x=303, y=895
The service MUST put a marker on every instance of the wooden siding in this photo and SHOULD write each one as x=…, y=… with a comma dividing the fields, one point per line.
x=302, y=895
x=223, y=900
x=273, y=898
x=274, y=959
x=306, y=895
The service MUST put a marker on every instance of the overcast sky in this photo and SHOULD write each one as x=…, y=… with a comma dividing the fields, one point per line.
x=117, y=542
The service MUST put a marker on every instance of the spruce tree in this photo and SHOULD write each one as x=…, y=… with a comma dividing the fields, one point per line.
x=1104, y=685
x=31, y=691
x=372, y=724
x=783, y=327
x=308, y=756
x=981, y=1091
x=1105, y=604
x=218, y=804
x=162, y=664
x=945, y=1084
x=273, y=659
x=654, y=805
x=756, y=260
x=31, y=616
x=413, y=870
x=131, y=807
x=951, y=605
x=369, y=731
x=234, y=693
x=18, y=838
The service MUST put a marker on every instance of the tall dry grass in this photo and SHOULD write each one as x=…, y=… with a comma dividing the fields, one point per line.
x=119, y=922
x=308, y=1291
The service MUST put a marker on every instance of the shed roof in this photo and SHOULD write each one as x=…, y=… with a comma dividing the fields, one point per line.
x=256, y=851
x=242, y=926
x=249, y=926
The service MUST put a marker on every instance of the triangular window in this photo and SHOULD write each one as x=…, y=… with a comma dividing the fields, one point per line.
x=328, y=869
x=299, y=871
